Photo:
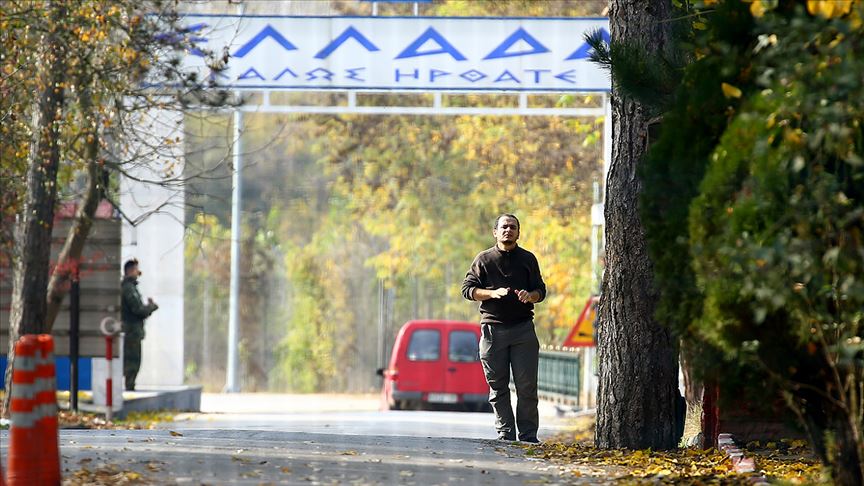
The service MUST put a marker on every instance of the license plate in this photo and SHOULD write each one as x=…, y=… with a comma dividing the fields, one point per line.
x=443, y=398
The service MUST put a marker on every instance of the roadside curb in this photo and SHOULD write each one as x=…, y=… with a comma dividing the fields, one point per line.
x=741, y=464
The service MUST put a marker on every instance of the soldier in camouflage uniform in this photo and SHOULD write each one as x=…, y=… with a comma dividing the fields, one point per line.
x=133, y=312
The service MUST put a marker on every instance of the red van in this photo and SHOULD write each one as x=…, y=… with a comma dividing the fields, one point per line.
x=436, y=364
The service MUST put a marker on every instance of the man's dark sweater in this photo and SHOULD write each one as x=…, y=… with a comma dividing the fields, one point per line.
x=516, y=269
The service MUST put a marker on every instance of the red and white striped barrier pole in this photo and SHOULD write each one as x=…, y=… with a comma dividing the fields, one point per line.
x=109, y=382
x=110, y=327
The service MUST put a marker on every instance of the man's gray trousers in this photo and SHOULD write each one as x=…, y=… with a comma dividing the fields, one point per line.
x=504, y=346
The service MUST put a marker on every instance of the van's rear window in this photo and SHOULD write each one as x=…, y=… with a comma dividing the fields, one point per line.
x=463, y=347
x=425, y=345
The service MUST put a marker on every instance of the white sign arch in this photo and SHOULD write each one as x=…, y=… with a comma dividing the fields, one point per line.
x=400, y=53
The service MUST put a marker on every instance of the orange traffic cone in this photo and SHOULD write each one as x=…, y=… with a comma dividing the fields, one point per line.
x=46, y=402
x=34, y=457
x=23, y=435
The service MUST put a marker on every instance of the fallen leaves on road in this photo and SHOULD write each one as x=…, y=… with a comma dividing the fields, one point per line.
x=105, y=475
x=665, y=467
x=72, y=420
x=787, y=460
x=794, y=471
x=579, y=429
x=133, y=421
x=242, y=460
x=686, y=465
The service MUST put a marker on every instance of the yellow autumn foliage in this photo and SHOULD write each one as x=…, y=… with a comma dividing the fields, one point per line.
x=730, y=91
x=830, y=8
x=691, y=466
x=824, y=8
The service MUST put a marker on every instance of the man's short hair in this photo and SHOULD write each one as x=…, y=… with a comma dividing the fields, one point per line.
x=498, y=219
x=129, y=264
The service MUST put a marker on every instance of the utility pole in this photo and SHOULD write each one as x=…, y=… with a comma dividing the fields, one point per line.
x=382, y=358
x=231, y=385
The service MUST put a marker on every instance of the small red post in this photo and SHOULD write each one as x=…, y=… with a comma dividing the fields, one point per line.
x=109, y=389
x=710, y=414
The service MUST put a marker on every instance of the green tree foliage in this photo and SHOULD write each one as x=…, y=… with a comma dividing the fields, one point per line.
x=207, y=266
x=319, y=335
x=438, y=172
x=207, y=263
x=699, y=113
x=757, y=185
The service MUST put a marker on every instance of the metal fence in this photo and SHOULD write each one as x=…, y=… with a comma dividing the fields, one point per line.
x=560, y=375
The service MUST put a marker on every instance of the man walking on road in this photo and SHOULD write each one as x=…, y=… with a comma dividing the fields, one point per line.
x=133, y=312
x=506, y=280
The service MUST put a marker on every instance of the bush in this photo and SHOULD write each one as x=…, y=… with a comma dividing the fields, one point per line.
x=774, y=235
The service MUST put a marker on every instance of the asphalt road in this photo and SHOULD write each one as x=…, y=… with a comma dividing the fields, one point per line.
x=228, y=456
x=385, y=424
x=362, y=447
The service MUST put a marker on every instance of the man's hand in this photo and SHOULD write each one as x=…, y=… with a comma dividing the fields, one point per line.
x=527, y=297
x=501, y=292
x=485, y=294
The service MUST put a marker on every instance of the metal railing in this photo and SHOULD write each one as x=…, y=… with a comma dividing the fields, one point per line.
x=560, y=374
x=561, y=378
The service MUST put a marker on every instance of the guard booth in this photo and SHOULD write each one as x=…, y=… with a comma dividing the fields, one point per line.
x=99, y=297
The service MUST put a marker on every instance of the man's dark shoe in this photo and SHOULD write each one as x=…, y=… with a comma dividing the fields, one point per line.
x=507, y=438
x=532, y=440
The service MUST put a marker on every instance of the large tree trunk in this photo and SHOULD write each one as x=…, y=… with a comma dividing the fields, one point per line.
x=638, y=372
x=33, y=234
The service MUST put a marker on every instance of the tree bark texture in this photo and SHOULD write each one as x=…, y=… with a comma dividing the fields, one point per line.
x=692, y=385
x=33, y=233
x=638, y=372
